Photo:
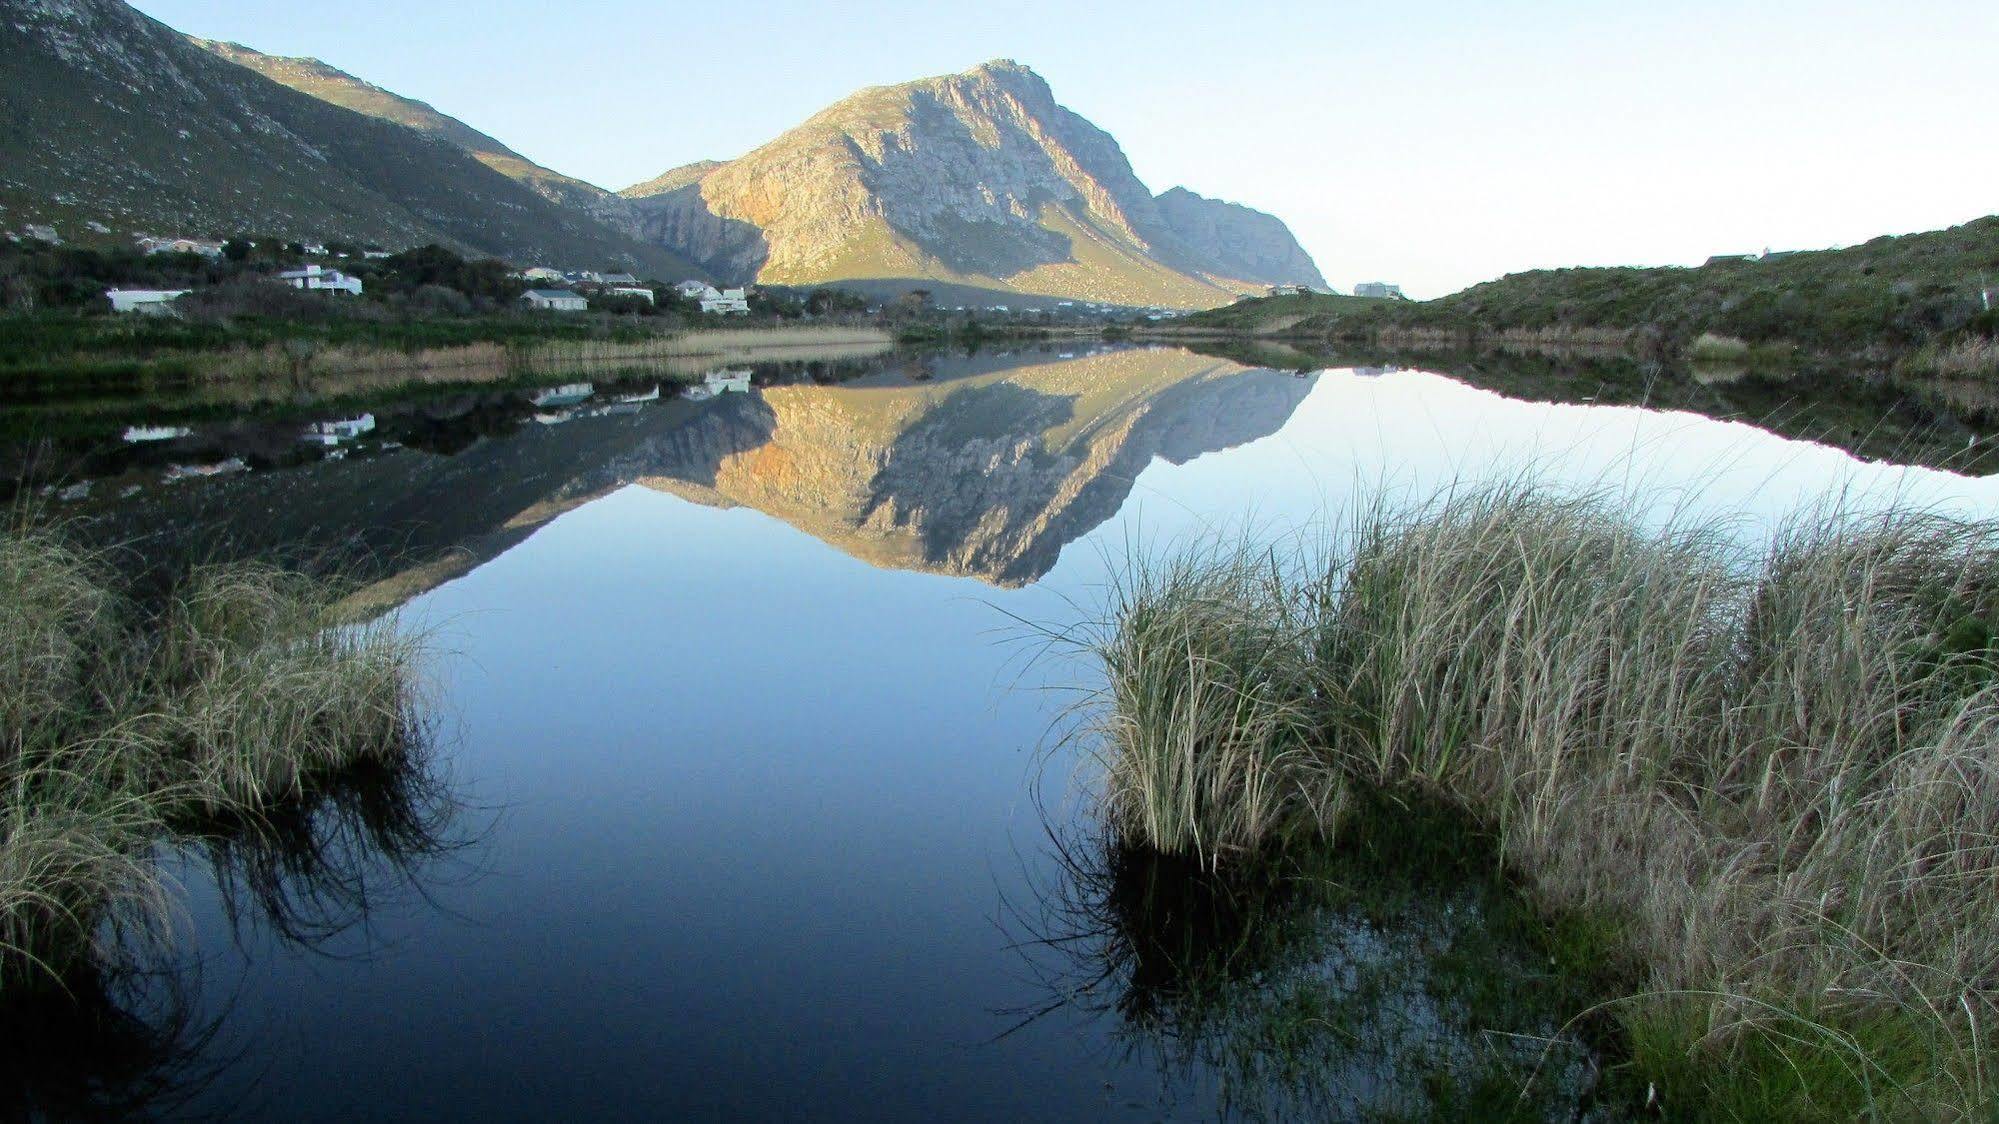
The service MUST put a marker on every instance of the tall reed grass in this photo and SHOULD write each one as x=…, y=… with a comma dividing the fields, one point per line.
x=1710, y=347
x=1772, y=768
x=122, y=725
x=1969, y=356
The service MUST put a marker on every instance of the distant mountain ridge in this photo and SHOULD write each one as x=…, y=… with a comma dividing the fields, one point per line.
x=979, y=178
x=110, y=117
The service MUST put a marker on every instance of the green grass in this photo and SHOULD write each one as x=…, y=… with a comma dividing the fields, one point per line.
x=1772, y=768
x=1890, y=297
x=122, y=726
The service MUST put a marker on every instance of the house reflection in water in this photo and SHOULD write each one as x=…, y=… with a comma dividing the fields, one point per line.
x=331, y=433
x=719, y=382
x=568, y=394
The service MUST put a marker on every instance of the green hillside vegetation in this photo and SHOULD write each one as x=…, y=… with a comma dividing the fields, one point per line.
x=170, y=139
x=337, y=87
x=1914, y=297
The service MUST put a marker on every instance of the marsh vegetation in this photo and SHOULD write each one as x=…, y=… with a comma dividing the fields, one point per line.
x=1764, y=770
x=126, y=726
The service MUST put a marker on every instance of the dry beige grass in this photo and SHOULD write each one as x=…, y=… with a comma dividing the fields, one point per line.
x=117, y=724
x=1773, y=769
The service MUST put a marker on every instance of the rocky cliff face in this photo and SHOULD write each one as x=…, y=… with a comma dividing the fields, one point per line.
x=1236, y=241
x=979, y=178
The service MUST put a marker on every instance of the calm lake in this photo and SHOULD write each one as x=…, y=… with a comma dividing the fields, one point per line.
x=750, y=794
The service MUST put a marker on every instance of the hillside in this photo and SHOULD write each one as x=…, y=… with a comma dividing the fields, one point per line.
x=978, y=178
x=112, y=118
x=1889, y=296
x=337, y=87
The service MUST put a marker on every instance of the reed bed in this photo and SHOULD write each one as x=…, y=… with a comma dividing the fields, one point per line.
x=1769, y=769
x=122, y=726
x=1969, y=356
x=1712, y=348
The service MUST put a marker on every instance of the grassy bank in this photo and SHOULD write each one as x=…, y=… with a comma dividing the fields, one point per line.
x=59, y=357
x=1766, y=772
x=1884, y=301
x=123, y=726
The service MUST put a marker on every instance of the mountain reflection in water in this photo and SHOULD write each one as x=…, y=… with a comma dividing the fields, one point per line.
x=763, y=775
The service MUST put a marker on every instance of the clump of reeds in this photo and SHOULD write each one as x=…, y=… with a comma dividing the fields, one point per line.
x=1711, y=347
x=1208, y=738
x=1774, y=767
x=1968, y=356
x=120, y=724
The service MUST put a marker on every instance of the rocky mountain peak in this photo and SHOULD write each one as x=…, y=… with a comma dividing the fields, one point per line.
x=980, y=177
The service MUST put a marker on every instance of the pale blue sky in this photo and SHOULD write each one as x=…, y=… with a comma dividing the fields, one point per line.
x=1436, y=144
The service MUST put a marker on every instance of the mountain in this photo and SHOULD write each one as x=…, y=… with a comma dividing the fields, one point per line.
x=337, y=87
x=1238, y=241
x=978, y=178
x=112, y=118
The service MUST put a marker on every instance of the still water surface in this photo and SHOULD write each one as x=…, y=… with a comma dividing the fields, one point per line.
x=748, y=803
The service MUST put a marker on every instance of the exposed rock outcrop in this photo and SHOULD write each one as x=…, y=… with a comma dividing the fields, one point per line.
x=1238, y=242
x=979, y=178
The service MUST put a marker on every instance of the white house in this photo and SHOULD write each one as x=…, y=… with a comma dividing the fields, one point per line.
x=725, y=302
x=151, y=302
x=1377, y=289
x=692, y=290
x=633, y=291
x=554, y=300
x=320, y=279
x=540, y=273
x=181, y=246
x=618, y=279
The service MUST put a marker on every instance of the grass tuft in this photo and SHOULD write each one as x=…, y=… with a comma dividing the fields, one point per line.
x=1772, y=767
x=121, y=725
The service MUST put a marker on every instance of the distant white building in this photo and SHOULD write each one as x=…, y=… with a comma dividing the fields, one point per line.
x=200, y=246
x=150, y=302
x=725, y=302
x=692, y=290
x=633, y=291
x=619, y=279
x=554, y=300
x=318, y=278
x=540, y=273
x=1377, y=289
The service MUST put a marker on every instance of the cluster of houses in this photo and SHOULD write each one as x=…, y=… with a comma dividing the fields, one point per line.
x=581, y=284
x=555, y=290
x=155, y=302
x=1364, y=289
